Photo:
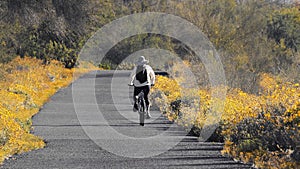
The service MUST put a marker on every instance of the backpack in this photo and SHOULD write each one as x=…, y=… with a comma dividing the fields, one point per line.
x=141, y=74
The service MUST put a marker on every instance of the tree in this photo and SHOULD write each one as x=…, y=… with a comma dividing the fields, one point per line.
x=284, y=25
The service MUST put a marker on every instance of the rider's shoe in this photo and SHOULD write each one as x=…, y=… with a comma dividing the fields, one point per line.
x=148, y=115
x=134, y=109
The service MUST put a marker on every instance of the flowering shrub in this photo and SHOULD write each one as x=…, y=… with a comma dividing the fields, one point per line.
x=271, y=138
x=263, y=129
x=26, y=84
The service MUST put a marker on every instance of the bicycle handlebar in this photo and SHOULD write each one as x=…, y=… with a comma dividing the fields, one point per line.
x=133, y=85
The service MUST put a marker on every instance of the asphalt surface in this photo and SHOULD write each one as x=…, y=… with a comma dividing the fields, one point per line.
x=90, y=124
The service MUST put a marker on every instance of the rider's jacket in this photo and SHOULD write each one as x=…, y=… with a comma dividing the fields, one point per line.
x=150, y=77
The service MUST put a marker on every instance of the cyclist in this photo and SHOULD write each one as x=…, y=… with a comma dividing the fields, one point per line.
x=142, y=78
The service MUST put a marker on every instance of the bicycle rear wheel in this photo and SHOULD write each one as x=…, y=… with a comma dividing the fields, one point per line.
x=141, y=108
x=142, y=118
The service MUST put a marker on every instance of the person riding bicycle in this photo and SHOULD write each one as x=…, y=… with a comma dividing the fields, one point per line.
x=142, y=78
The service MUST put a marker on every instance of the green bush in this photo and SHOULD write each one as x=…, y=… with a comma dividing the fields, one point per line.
x=284, y=25
x=106, y=66
x=44, y=44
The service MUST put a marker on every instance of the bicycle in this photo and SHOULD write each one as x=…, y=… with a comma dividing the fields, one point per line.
x=141, y=105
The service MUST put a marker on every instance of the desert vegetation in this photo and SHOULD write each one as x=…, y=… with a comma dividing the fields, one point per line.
x=262, y=129
x=26, y=84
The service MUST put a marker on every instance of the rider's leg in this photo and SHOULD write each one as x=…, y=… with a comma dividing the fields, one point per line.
x=136, y=91
x=146, y=97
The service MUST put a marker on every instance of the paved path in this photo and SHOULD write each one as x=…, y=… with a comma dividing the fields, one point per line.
x=101, y=131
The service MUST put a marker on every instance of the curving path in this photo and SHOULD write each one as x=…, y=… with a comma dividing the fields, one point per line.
x=68, y=132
